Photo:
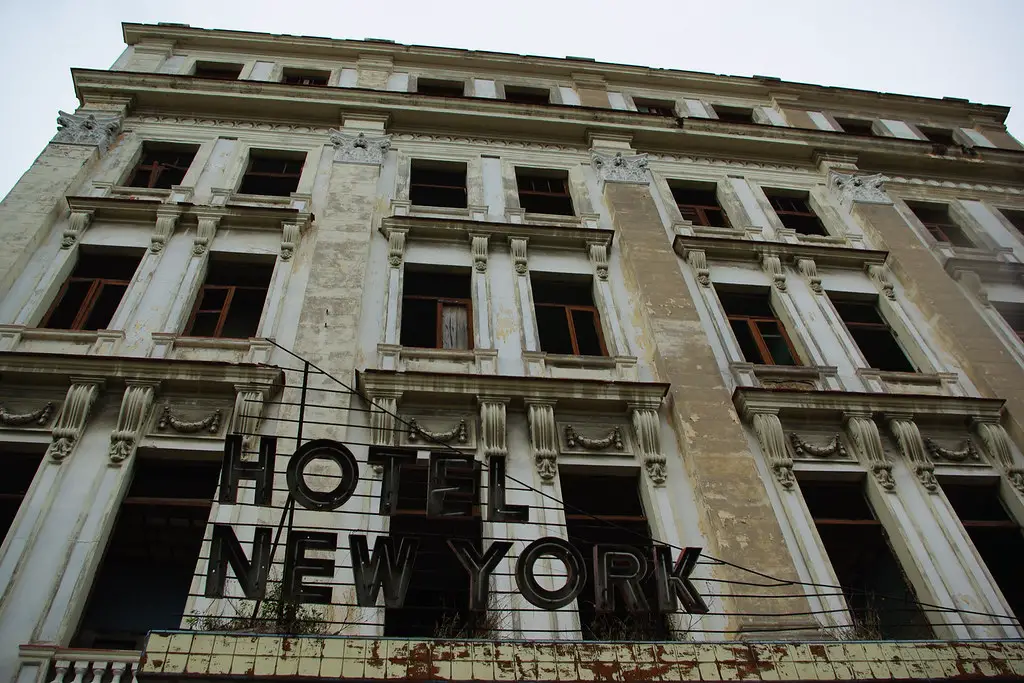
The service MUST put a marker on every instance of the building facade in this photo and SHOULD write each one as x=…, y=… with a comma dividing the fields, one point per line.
x=349, y=359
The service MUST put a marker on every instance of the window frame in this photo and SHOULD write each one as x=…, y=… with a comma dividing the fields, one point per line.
x=527, y=91
x=88, y=303
x=225, y=308
x=214, y=67
x=936, y=228
x=441, y=84
x=157, y=168
x=270, y=154
x=561, y=176
x=775, y=195
x=732, y=113
x=882, y=324
x=870, y=123
x=750, y=320
x=659, y=107
x=701, y=209
x=1005, y=314
x=439, y=313
x=436, y=165
x=290, y=74
x=569, y=308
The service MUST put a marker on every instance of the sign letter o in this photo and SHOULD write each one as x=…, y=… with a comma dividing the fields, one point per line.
x=327, y=449
x=576, y=578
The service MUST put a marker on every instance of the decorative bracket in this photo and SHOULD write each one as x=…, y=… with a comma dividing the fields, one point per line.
x=647, y=428
x=574, y=439
x=769, y=433
x=909, y=438
x=78, y=222
x=245, y=418
x=493, y=427
x=973, y=284
x=803, y=448
x=204, y=234
x=166, y=221
x=620, y=168
x=865, y=189
x=543, y=439
x=698, y=260
x=478, y=246
x=40, y=416
x=383, y=409
x=996, y=443
x=87, y=129
x=291, y=231
x=881, y=278
x=135, y=405
x=396, y=247
x=210, y=423
x=809, y=269
x=358, y=148
x=772, y=264
x=598, y=253
x=864, y=433
x=458, y=432
x=73, y=414
x=518, y=248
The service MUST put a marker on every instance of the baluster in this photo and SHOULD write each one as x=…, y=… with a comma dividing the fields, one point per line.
x=60, y=669
x=81, y=668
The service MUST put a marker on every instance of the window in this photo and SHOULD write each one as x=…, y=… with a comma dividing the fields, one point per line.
x=759, y=332
x=437, y=601
x=795, y=212
x=862, y=127
x=271, y=175
x=218, y=70
x=90, y=297
x=152, y=552
x=1013, y=314
x=940, y=224
x=659, y=107
x=524, y=95
x=305, y=77
x=544, y=191
x=1016, y=218
x=567, y=320
x=699, y=205
x=162, y=166
x=734, y=114
x=439, y=88
x=996, y=536
x=881, y=600
x=606, y=509
x=19, y=471
x=437, y=183
x=940, y=136
x=873, y=336
x=437, y=309
x=230, y=303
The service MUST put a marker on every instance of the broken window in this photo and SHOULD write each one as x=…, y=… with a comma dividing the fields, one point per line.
x=544, y=191
x=437, y=309
x=305, y=77
x=759, y=332
x=1013, y=314
x=437, y=602
x=230, y=303
x=940, y=223
x=90, y=297
x=734, y=114
x=940, y=136
x=144, y=580
x=440, y=88
x=218, y=70
x=658, y=107
x=997, y=537
x=882, y=602
x=863, y=127
x=606, y=509
x=437, y=183
x=271, y=174
x=19, y=470
x=699, y=205
x=872, y=334
x=795, y=212
x=162, y=166
x=525, y=95
x=567, y=320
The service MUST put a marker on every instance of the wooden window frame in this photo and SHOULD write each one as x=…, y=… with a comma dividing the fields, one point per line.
x=762, y=347
x=88, y=303
x=464, y=187
x=155, y=168
x=569, y=308
x=773, y=198
x=564, y=194
x=439, y=312
x=645, y=106
x=224, y=310
x=218, y=71
x=700, y=210
x=1004, y=306
x=302, y=77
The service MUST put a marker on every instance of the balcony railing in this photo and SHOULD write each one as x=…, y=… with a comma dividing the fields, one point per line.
x=50, y=664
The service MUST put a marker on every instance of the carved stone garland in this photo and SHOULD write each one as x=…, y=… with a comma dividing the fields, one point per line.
x=963, y=454
x=458, y=432
x=909, y=438
x=769, y=433
x=574, y=439
x=210, y=423
x=543, y=439
x=804, y=449
x=87, y=129
x=493, y=427
x=647, y=428
x=135, y=405
x=864, y=433
x=40, y=416
x=620, y=168
x=359, y=148
x=71, y=421
x=996, y=443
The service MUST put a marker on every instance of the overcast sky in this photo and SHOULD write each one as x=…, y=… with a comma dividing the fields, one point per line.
x=960, y=48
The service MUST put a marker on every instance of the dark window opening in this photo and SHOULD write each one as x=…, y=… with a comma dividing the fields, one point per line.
x=437, y=184
x=759, y=332
x=437, y=602
x=795, y=212
x=439, y=88
x=90, y=297
x=606, y=509
x=862, y=127
x=873, y=336
x=1016, y=218
x=940, y=136
x=160, y=167
x=658, y=107
x=882, y=602
x=303, y=77
x=437, y=310
x=525, y=95
x=218, y=71
x=1013, y=314
x=567, y=320
x=271, y=175
x=152, y=553
x=700, y=206
x=940, y=224
x=734, y=114
x=230, y=303
x=19, y=471
x=541, y=192
x=998, y=538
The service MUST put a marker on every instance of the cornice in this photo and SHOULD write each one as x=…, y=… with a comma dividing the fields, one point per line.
x=460, y=230
x=987, y=269
x=442, y=387
x=735, y=249
x=749, y=400
x=123, y=209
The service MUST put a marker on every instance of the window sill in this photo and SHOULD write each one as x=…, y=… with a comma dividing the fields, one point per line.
x=181, y=347
x=409, y=358
x=931, y=383
x=584, y=220
x=793, y=377
x=563, y=366
x=128, y=192
x=44, y=340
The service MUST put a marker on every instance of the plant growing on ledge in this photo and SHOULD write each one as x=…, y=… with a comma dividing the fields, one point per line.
x=276, y=614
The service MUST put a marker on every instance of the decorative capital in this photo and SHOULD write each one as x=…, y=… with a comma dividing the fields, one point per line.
x=97, y=130
x=358, y=148
x=864, y=189
x=620, y=168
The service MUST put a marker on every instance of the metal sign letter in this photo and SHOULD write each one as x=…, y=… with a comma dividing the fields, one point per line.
x=673, y=583
x=327, y=449
x=389, y=567
x=576, y=578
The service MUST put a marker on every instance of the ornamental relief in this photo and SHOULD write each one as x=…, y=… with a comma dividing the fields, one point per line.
x=431, y=432
x=28, y=413
x=192, y=419
x=949, y=449
x=604, y=438
x=818, y=446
